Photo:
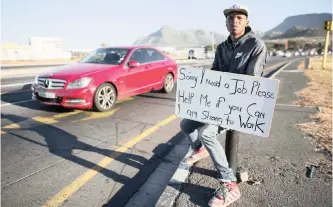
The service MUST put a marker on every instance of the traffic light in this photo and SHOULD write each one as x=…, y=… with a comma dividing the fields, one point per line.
x=328, y=25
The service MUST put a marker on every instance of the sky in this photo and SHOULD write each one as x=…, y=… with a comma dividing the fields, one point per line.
x=85, y=24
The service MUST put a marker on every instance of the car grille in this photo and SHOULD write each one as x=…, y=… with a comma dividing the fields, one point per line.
x=50, y=83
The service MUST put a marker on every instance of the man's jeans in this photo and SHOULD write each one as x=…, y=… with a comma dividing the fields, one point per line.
x=206, y=134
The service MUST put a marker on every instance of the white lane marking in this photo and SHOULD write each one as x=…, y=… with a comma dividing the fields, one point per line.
x=16, y=84
x=292, y=71
x=278, y=71
x=19, y=76
x=13, y=103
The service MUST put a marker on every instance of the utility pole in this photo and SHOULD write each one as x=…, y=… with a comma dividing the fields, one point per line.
x=328, y=28
x=231, y=149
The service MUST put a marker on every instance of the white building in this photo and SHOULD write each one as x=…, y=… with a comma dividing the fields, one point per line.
x=39, y=48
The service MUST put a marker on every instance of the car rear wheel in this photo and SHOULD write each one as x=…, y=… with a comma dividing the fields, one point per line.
x=105, y=97
x=168, y=83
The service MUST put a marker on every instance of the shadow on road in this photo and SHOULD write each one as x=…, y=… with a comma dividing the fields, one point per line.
x=197, y=195
x=62, y=144
x=123, y=195
x=193, y=190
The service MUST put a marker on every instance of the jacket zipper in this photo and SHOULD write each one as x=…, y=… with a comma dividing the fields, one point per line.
x=232, y=58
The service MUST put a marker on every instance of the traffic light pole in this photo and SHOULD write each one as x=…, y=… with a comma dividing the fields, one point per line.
x=328, y=28
x=325, y=49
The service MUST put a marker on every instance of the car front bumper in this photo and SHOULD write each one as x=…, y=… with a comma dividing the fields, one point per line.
x=70, y=98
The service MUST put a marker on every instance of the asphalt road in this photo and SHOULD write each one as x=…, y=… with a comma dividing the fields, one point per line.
x=54, y=156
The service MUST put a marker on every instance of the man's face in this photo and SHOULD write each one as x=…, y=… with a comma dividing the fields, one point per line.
x=236, y=23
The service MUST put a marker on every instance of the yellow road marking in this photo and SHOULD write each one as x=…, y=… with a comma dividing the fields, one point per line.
x=62, y=115
x=45, y=120
x=98, y=115
x=127, y=99
x=41, y=119
x=88, y=175
x=11, y=126
x=53, y=119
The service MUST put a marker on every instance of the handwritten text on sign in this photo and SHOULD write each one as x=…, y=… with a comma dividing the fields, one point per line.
x=240, y=102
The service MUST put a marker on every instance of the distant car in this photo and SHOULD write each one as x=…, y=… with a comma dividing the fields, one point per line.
x=197, y=53
x=279, y=53
x=287, y=54
x=105, y=76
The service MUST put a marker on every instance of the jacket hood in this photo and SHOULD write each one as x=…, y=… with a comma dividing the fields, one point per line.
x=248, y=33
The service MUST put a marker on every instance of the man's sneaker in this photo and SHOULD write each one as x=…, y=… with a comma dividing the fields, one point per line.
x=225, y=195
x=198, y=155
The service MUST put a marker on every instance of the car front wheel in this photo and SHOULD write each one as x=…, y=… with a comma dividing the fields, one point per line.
x=105, y=97
x=168, y=83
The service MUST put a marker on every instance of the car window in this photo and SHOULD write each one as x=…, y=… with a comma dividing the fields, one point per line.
x=153, y=55
x=110, y=56
x=138, y=55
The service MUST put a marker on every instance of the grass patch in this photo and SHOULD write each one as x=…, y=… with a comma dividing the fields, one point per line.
x=319, y=93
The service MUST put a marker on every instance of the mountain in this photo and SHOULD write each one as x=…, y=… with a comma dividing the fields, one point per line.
x=168, y=36
x=308, y=21
x=301, y=32
x=259, y=33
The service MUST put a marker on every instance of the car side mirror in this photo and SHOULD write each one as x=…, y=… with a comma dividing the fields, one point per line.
x=133, y=64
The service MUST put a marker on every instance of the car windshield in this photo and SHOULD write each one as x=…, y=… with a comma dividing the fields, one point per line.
x=109, y=56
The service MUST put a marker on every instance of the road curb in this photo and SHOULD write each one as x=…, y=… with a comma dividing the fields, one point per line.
x=167, y=171
x=172, y=190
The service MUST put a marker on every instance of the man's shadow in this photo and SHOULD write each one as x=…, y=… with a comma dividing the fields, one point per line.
x=62, y=144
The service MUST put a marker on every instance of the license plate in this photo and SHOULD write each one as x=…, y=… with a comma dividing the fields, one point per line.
x=45, y=94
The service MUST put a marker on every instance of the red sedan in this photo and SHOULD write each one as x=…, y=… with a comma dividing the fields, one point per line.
x=105, y=76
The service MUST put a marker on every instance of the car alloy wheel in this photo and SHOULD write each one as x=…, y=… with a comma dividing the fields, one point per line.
x=168, y=83
x=105, y=97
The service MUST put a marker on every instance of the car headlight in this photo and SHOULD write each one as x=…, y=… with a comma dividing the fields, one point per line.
x=80, y=83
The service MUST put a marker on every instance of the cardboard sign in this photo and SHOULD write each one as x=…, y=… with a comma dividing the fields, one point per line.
x=233, y=101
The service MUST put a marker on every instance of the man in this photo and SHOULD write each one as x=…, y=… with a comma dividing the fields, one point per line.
x=241, y=53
